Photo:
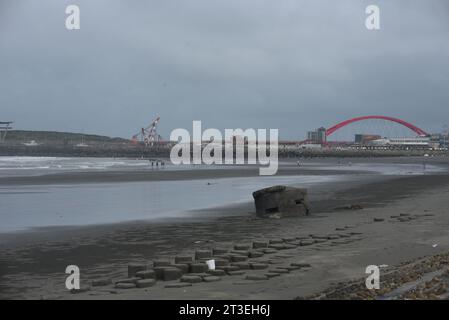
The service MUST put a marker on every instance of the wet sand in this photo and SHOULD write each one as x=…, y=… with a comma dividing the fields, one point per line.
x=32, y=264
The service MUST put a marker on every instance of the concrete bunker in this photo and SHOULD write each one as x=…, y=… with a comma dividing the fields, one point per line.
x=281, y=201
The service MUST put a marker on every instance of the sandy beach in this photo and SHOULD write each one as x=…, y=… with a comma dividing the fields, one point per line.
x=399, y=218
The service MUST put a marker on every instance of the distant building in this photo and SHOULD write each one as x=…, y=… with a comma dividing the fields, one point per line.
x=439, y=140
x=363, y=139
x=317, y=137
x=403, y=142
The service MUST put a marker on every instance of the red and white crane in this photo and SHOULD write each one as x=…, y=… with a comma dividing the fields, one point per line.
x=148, y=135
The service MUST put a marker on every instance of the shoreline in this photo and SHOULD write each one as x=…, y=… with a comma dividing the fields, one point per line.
x=44, y=253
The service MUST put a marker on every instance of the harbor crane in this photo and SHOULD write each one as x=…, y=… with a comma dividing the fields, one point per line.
x=148, y=135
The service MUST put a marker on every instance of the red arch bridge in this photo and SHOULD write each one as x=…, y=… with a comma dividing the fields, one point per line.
x=342, y=124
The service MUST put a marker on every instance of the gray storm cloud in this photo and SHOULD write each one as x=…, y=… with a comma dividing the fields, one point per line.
x=293, y=65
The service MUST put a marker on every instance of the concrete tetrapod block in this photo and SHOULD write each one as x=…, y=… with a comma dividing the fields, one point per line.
x=128, y=280
x=238, y=258
x=191, y=279
x=219, y=251
x=161, y=263
x=170, y=273
x=241, y=265
x=282, y=201
x=230, y=268
x=167, y=273
x=221, y=262
x=181, y=266
x=133, y=268
x=216, y=272
x=260, y=244
x=125, y=285
x=183, y=259
x=255, y=254
x=198, y=267
x=203, y=254
x=245, y=247
x=211, y=279
x=145, y=283
x=258, y=266
x=147, y=274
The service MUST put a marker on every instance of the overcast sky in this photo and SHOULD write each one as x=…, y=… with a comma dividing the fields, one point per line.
x=290, y=64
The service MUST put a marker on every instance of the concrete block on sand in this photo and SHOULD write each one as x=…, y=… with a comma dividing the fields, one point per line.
x=344, y=235
x=159, y=272
x=161, y=263
x=221, y=262
x=128, y=280
x=272, y=274
x=211, y=279
x=317, y=236
x=147, y=274
x=178, y=285
x=125, y=285
x=222, y=256
x=198, y=267
x=258, y=266
x=289, y=246
x=289, y=239
x=307, y=242
x=170, y=273
x=291, y=268
x=218, y=251
x=216, y=272
x=203, y=254
x=230, y=268
x=279, y=270
x=275, y=241
x=145, y=283
x=300, y=264
x=256, y=277
x=167, y=273
x=240, y=252
x=236, y=273
x=276, y=246
x=202, y=274
x=241, y=265
x=238, y=258
x=181, y=266
x=270, y=251
x=245, y=247
x=378, y=219
x=191, y=279
x=183, y=259
x=260, y=244
x=133, y=268
x=281, y=201
x=255, y=254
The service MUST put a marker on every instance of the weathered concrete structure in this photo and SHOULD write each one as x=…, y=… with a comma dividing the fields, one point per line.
x=281, y=201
